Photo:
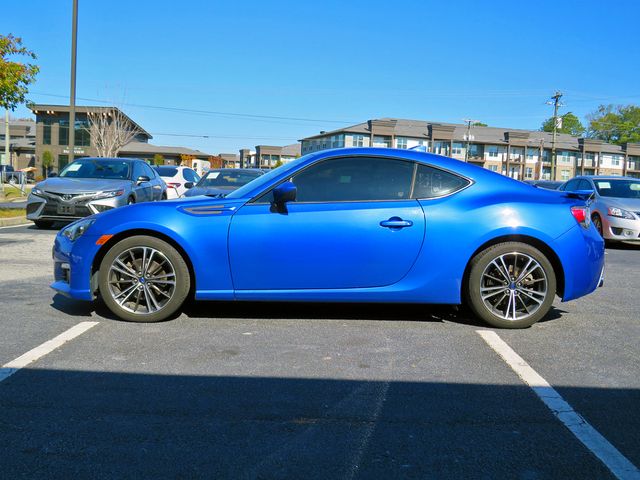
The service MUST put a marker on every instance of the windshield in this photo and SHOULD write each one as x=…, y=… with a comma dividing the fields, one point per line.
x=266, y=178
x=623, y=188
x=94, y=168
x=227, y=178
x=166, y=171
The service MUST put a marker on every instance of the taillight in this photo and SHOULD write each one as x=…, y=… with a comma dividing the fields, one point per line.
x=582, y=215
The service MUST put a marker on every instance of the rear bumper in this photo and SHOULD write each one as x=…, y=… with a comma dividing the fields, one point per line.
x=581, y=253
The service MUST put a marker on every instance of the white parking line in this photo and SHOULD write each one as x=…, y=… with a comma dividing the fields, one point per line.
x=619, y=465
x=16, y=226
x=47, y=347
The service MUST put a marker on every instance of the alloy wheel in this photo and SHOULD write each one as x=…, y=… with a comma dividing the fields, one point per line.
x=142, y=280
x=513, y=286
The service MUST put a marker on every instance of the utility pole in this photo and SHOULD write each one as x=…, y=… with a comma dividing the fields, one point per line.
x=72, y=93
x=6, y=159
x=556, y=103
x=468, y=137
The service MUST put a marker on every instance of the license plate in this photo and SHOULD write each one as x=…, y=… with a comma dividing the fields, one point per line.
x=66, y=209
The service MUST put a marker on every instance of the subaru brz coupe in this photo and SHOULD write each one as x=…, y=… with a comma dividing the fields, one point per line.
x=347, y=225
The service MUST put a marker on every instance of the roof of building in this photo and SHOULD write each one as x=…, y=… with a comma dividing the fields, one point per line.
x=143, y=147
x=85, y=109
x=488, y=135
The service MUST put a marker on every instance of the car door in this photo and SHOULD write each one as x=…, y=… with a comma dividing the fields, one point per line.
x=156, y=182
x=353, y=225
x=143, y=190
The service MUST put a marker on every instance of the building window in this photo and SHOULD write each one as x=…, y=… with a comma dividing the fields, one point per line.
x=63, y=132
x=528, y=172
x=358, y=140
x=337, y=141
x=401, y=142
x=46, y=131
x=493, y=151
x=82, y=137
x=531, y=153
x=381, y=141
x=457, y=148
x=565, y=175
x=493, y=168
x=62, y=161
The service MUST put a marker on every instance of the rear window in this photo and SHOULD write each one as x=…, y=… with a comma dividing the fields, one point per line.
x=432, y=182
x=166, y=171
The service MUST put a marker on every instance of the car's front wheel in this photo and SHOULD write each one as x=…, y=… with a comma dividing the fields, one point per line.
x=511, y=285
x=143, y=279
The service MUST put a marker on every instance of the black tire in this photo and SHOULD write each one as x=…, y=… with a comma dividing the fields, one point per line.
x=44, y=224
x=181, y=277
x=131, y=201
x=597, y=222
x=537, y=289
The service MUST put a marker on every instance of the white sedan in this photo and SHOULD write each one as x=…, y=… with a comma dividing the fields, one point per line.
x=177, y=179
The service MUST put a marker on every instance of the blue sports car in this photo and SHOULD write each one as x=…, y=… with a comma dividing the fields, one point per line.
x=347, y=225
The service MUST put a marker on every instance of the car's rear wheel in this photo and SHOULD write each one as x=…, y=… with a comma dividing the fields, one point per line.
x=143, y=279
x=43, y=223
x=511, y=285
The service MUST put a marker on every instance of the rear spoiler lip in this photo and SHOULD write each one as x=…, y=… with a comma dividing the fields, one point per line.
x=587, y=195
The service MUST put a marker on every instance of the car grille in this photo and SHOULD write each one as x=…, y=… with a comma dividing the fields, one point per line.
x=51, y=207
x=32, y=207
x=67, y=196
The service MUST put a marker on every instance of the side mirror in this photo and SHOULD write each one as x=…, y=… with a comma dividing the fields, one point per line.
x=188, y=185
x=283, y=193
x=142, y=179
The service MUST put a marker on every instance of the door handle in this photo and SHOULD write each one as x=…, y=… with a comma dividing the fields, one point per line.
x=396, y=222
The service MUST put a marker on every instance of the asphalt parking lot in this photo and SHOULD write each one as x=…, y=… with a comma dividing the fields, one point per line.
x=310, y=391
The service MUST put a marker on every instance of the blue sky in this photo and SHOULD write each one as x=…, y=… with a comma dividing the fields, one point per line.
x=326, y=64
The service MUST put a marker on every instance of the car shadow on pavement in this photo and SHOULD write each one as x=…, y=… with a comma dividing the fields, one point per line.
x=622, y=246
x=66, y=423
x=300, y=310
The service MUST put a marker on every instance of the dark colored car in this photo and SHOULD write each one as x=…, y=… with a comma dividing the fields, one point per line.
x=220, y=182
x=547, y=184
x=10, y=175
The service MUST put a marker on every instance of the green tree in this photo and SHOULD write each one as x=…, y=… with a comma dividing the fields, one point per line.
x=615, y=124
x=15, y=76
x=158, y=159
x=479, y=124
x=570, y=125
x=47, y=161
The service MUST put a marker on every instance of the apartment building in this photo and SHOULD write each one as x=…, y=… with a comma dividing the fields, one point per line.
x=521, y=154
x=268, y=156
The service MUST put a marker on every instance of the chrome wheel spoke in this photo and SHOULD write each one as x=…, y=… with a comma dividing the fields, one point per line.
x=513, y=286
x=142, y=280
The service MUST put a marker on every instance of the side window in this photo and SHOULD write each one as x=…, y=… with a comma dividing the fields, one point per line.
x=432, y=182
x=190, y=176
x=585, y=185
x=137, y=171
x=148, y=171
x=571, y=185
x=355, y=179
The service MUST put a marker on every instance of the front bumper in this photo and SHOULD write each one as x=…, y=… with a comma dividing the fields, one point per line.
x=621, y=229
x=52, y=207
x=72, y=262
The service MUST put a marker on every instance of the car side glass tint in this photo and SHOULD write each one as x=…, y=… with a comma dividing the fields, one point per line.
x=432, y=182
x=355, y=179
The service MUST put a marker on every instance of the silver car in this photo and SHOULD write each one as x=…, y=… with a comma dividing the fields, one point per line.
x=93, y=185
x=615, y=210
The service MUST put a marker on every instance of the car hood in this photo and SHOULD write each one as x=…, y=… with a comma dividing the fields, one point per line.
x=632, y=204
x=77, y=185
x=195, y=191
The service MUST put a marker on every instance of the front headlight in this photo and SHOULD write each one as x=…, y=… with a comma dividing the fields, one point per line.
x=109, y=194
x=77, y=229
x=37, y=191
x=620, y=213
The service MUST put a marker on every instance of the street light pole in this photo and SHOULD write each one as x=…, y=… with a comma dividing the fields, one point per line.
x=72, y=93
x=468, y=138
x=6, y=159
x=556, y=104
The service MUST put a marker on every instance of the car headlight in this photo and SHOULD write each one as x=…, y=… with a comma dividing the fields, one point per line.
x=109, y=194
x=620, y=213
x=37, y=191
x=77, y=229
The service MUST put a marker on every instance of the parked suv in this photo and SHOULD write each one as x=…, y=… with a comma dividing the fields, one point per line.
x=93, y=185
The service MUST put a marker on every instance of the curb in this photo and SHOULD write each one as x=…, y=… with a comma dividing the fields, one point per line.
x=10, y=222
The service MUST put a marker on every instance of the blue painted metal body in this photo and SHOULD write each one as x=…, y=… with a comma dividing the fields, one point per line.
x=242, y=250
